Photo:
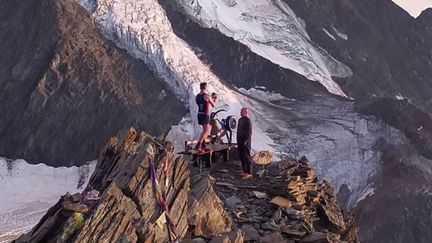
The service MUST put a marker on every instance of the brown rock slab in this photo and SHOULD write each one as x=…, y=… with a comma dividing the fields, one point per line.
x=250, y=233
x=292, y=232
x=315, y=237
x=272, y=238
x=205, y=210
x=74, y=207
x=231, y=237
x=281, y=202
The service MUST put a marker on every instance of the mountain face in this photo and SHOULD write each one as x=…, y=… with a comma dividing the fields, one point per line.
x=399, y=208
x=235, y=62
x=346, y=83
x=66, y=89
x=388, y=50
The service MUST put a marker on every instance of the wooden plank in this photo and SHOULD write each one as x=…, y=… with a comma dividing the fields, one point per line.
x=212, y=147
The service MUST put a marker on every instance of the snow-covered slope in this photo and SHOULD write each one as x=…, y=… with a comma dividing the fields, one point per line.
x=28, y=191
x=272, y=30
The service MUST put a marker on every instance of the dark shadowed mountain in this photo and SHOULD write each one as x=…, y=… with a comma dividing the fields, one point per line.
x=388, y=51
x=66, y=89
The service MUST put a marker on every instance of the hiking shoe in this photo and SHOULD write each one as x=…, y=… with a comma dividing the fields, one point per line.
x=199, y=151
x=205, y=148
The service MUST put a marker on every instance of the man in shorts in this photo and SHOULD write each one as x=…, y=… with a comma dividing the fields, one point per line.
x=205, y=103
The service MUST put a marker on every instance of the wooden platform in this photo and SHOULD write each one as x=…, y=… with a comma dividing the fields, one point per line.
x=218, y=153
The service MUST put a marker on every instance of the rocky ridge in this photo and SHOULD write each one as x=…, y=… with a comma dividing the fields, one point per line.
x=141, y=192
x=130, y=197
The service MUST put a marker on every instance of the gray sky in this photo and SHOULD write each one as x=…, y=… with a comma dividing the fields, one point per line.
x=414, y=7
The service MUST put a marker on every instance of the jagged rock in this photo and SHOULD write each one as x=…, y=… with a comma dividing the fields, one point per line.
x=231, y=237
x=77, y=197
x=272, y=238
x=259, y=194
x=281, y=202
x=292, y=213
x=128, y=206
x=260, y=173
x=232, y=201
x=270, y=227
x=315, y=237
x=292, y=233
x=329, y=209
x=195, y=240
x=74, y=207
x=250, y=233
x=226, y=184
x=206, y=213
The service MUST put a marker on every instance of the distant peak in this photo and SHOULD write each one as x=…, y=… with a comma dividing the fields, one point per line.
x=426, y=16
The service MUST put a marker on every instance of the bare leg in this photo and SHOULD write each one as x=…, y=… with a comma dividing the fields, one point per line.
x=205, y=133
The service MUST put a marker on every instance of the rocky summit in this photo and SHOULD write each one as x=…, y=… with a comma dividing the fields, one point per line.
x=142, y=192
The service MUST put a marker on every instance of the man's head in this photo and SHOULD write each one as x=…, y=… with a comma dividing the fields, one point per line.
x=203, y=86
x=244, y=112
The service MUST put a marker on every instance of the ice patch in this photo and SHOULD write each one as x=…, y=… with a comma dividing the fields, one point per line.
x=399, y=96
x=262, y=94
x=369, y=192
x=340, y=33
x=328, y=34
x=89, y=5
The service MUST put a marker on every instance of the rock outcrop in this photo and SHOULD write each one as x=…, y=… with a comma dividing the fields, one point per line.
x=66, y=89
x=207, y=217
x=401, y=114
x=141, y=192
x=144, y=197
x=401, y=187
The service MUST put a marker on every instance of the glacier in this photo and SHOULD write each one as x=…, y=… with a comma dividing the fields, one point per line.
x=28, y=191
x=272, y=30
x=143, y=29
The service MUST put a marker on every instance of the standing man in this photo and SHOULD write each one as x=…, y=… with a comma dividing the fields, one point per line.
x=205, y=103
x=244, y=139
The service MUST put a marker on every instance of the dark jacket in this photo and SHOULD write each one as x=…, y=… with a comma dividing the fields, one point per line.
x=244, y=129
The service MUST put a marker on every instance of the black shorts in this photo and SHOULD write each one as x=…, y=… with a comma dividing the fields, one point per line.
x=203, y=119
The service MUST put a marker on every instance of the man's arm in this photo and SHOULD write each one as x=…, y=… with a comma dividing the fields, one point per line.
x=209, y=100
x=250, y=129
